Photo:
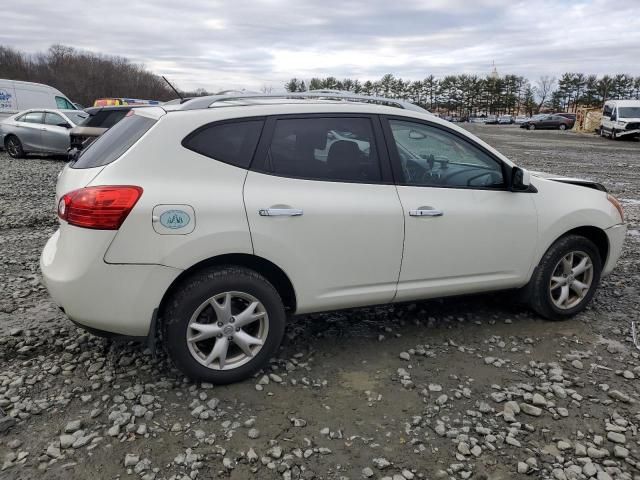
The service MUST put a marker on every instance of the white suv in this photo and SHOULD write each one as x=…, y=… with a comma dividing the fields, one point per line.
x=203, y=224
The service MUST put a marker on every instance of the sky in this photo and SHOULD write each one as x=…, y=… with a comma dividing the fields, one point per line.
x=235, y=44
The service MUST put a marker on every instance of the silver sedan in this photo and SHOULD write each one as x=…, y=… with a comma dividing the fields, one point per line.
x=39, y=131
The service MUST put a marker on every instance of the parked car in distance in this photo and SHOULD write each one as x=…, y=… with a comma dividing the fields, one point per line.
x=548, y=122
x=506, y=119
x=520, y=119
x=571, y=116
x=114, y=102
x=620, y=118
x=98, y=121
x=491, y=120
x=39, y=131
x=17, y=96
x=212, y=220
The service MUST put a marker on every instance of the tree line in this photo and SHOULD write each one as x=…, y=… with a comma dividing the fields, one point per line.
x=471, y=95
x=83, y=76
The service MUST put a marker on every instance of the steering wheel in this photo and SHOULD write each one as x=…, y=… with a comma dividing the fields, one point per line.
x=493, y=177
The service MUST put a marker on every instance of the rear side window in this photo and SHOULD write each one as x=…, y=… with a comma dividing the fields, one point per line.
x=233, y=143
x=114, y=142
x=333, y=149
x=32, y=117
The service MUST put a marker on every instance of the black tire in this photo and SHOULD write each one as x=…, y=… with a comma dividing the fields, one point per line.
x=562, y=126
x=13, y=146
x=531, y=127
x=196, y=290
x=538, y=291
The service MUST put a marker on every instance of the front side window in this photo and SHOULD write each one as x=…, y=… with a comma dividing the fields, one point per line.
x=629, y=112
x=53, y=119
x=64, y=104
x=434, y=157
x=330, y=149
x=32, y=117
x=232, y=143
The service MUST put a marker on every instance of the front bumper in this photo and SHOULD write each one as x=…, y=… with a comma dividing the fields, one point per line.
x=616, y=235
x=120, y=299
x=620, y=133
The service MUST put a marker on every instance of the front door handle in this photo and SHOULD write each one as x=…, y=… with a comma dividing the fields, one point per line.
x=426, y=212
x=280, y=212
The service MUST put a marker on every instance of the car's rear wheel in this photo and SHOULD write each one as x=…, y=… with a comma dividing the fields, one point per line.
x=613, y=135
x=532, y=127
x=566, y=278
x=13, y=146
x=223, y=324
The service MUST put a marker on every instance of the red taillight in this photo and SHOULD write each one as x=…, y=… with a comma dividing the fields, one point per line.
x=102, y=208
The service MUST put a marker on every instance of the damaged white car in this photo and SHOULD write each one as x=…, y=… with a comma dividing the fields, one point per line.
x=205, y=223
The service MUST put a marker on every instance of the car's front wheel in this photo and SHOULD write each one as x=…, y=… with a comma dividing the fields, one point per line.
x=562, y=126
x=13, y=146
x=531, y=127
x=223, y=324
x=566, y=278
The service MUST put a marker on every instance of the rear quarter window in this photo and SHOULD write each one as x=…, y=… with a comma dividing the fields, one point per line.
x=114, y=142
x=230, y=142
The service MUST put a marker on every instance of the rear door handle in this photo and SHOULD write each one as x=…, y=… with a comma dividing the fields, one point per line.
x=280, y=212
x=426, y=212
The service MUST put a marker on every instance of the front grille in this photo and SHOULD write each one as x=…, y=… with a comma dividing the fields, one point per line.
x=633, y=126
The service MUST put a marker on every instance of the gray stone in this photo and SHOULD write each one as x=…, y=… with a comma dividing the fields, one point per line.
x=531, y=410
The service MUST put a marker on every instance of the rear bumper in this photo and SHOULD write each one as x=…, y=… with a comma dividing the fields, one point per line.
x=118, y=299
x=616, y=235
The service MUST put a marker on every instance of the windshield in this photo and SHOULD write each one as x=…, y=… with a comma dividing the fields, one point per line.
x=629, y=112
x=77, y=117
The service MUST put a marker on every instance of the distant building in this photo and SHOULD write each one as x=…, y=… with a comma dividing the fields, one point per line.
x=494, y=71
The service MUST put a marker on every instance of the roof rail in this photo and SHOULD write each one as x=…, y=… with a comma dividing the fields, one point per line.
x=210, y=101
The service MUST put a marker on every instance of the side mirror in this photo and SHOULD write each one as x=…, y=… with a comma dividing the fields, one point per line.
x=520, y=179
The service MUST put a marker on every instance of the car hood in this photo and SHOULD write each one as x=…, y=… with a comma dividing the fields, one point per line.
x=630, y=119
x=573, y=181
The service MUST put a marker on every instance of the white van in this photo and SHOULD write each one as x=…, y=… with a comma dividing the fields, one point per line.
x=620, y=117
x=16, y=96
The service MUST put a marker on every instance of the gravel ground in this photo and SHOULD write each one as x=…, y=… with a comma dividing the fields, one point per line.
x=459, y=388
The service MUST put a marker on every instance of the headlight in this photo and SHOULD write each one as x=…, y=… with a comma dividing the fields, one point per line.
x=614, y=201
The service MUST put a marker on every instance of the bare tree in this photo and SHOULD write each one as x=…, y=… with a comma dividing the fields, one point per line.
x=543, y=89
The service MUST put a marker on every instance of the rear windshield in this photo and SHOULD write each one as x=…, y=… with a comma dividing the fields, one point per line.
x=114, y=142
x=106, y=118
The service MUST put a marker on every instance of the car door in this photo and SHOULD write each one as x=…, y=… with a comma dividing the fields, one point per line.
x=322, y=205
x=29, y=130
x=465, y=231
x=55, y=133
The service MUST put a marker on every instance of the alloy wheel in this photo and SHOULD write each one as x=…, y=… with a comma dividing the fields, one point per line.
x=227, y=330
x=12, y=147
x=571, y=280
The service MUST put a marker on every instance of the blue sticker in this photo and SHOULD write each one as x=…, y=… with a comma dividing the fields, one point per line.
x=175, y=219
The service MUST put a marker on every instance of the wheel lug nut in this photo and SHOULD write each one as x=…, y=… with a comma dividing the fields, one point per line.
x=220, y=324
x=232, y=320
x=237, y=329
x=219, y=335
x=229, y=338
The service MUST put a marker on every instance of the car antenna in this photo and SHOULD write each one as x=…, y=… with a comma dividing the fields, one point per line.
x=173, y=88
